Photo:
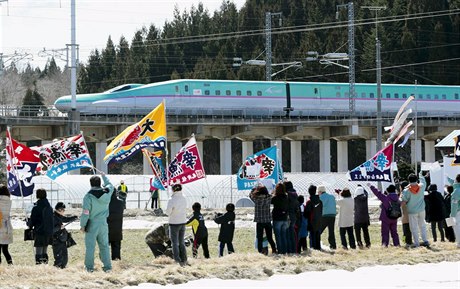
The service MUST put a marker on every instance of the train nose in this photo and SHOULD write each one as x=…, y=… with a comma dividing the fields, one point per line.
x=63, y=103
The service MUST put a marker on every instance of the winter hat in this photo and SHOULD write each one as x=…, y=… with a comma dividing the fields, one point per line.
x=359, y=191
x=432, y=187
x=321, y=189
x=391, y=189
x=59, y=206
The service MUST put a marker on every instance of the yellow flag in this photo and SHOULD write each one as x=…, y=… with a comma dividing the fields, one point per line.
x=149, y=132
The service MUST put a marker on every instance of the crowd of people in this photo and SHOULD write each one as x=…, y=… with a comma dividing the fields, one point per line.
x=411, y=200
x=296, y=221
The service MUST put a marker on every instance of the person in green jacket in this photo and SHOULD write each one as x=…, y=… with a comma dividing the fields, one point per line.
x=455, y=207
x=93, y=222
x=413, y=198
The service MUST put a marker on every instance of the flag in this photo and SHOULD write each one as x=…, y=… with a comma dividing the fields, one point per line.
x=261, y=165
x=186, y=167
x=64, y=155
x=160, y=179
x=149, y=132
x=21, y=164
x=377, y=169
x=456, y=160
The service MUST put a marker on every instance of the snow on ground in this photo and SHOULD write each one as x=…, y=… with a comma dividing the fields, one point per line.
x=420, y=276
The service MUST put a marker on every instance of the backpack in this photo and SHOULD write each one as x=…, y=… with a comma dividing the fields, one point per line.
x=394, y=210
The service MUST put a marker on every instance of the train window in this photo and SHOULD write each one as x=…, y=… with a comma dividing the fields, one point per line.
x=388, y=95
x=404, y=95
x=396, y=95
x=177, y=88
x=206, y=92
x=207, y=85
x=420, y=96
x=436, y=96
x=259, y=93
x=337, y=94
x=363, y=95
x=428, y=96
x=371, y=95
x=248, y=93
x=217, y=92
x=444, y=96
x=238, y=92
x=456, y=96
x=346, y=94
x=228, y=92
x=186, y=88
x=316, y=90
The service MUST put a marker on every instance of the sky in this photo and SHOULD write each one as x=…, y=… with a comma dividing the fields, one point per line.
x=29, y=26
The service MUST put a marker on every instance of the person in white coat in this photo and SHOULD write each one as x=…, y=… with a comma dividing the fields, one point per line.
x=346, y=214
x=6, y=228
x=177, y=212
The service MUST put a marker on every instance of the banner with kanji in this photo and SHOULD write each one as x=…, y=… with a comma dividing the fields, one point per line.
x=64, y=155
x=21, y=164
x=261, y=165
x=456, y=160
x=160, y=179
x=186, y=167
x=149, y=132
x=377, y=169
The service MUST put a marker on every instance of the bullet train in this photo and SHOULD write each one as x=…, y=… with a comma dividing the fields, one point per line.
x=243, y=98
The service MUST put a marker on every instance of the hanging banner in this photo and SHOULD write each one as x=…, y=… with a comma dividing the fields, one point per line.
x=456, y=160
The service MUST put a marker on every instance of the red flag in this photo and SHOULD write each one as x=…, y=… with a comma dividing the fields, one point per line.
x=21, y=164
x=186, y=167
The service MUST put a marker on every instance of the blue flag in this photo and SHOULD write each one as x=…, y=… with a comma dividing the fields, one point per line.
x=262, y=165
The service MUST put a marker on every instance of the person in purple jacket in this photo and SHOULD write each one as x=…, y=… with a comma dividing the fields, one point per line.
x=389, y=226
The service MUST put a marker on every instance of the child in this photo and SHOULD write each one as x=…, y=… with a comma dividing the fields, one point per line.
x=227, y=228
x=200, y=232
x=60, y=236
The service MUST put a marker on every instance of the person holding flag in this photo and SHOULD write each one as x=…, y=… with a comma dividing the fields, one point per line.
x=93, y=222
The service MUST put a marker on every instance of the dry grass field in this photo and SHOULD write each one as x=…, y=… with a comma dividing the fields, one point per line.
x=139, y=266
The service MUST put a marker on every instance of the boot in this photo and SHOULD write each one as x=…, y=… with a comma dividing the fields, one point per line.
x=10, y=262
x=45, y=258
x=37, y=259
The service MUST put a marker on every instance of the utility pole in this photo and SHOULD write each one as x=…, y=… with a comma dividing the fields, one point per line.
x=351, y=55
x=378, y=75
x=268, y=43
x=74, y=118
x=12, y=58
x=59, y=53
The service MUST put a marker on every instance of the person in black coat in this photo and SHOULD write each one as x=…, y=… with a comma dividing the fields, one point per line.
x=436, y=212
x=115, y=222
x=361, y=217
x=227, y=229
x=293, y=211
x=60, y=236
x=41, y=221
x=313, y=212
x=450, y=235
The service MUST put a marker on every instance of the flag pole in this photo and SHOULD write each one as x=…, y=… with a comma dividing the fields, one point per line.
x=15, y=170
x=84, y=141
